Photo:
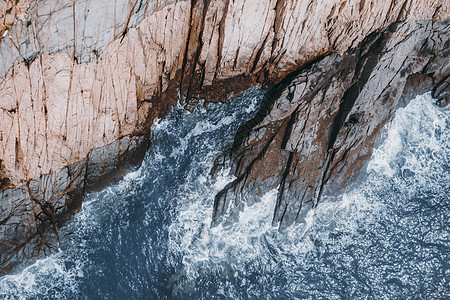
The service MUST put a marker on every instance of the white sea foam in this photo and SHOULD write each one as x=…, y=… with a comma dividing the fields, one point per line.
x=415, y=131
x=47, y=277
x=415, y=126
x=351, y=245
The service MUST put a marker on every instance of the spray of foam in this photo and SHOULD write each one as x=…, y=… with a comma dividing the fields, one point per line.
x=415, y=146
x=315, y=259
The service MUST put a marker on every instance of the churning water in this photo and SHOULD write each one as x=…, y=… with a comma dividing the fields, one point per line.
x=149, y=236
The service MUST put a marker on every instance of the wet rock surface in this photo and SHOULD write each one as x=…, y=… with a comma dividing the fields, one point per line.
x=82, y=82
x=317, y=129
x=31, y=215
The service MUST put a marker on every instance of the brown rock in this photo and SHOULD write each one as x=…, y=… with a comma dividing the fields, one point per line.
x=317, y=129
x=79, y=78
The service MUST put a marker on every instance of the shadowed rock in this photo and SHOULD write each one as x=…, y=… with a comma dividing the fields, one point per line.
x=319, y=131
x=82, y=81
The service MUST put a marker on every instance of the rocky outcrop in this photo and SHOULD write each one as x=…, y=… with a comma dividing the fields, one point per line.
x=80, y=28
x=318, y=126
x=83, y=80
x=32, y=214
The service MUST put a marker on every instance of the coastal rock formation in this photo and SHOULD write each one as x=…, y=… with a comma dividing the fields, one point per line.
x=317, y=127
x=82, y=82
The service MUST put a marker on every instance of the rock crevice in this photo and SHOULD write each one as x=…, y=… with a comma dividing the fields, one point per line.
x=320, y=130
x=82, y=81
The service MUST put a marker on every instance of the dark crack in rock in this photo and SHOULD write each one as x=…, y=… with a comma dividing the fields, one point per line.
x=31, y=215
x=318, y=127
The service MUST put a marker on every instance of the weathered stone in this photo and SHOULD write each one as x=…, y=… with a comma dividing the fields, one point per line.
x=205, y=49
x=442, y=92
x=82, y=79
x=321, y=127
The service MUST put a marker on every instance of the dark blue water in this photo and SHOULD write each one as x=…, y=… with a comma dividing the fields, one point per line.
x=149, y=236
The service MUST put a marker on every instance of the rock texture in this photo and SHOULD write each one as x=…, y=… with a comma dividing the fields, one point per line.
x=84, y=75
x=30, y=215
x=80, y=28
x=54, y=111
x=318, y=127
x=10, y=11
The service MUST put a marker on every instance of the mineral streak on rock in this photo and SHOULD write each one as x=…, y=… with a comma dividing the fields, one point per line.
x=10, y=11
x=82, y=81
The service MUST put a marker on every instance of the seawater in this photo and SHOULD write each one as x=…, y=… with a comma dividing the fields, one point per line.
x=149, y=237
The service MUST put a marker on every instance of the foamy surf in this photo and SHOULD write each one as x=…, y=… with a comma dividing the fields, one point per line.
x=149, y=236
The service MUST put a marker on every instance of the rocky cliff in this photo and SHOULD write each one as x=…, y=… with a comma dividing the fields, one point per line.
x=318, y=126
x=82, y=82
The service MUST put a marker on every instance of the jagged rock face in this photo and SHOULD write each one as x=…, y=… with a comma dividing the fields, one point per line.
x=55, y=110
x=80, y=28
x=317, y=128
x=32, y=214
x=83, y=80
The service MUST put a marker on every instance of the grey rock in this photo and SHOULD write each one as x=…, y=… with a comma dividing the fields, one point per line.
x=317, y=128
x=31, y=215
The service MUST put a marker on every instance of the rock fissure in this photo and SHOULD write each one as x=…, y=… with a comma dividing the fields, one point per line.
x=324, y=172
x=79, y=93
x=281, y=190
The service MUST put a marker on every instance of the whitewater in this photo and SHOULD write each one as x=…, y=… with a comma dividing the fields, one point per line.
x=387, y=236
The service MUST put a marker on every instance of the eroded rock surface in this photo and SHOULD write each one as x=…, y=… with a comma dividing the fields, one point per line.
x=30, y=215
x=80, y=28
x=318, y=127
x=82, y=81
x=10, y=12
